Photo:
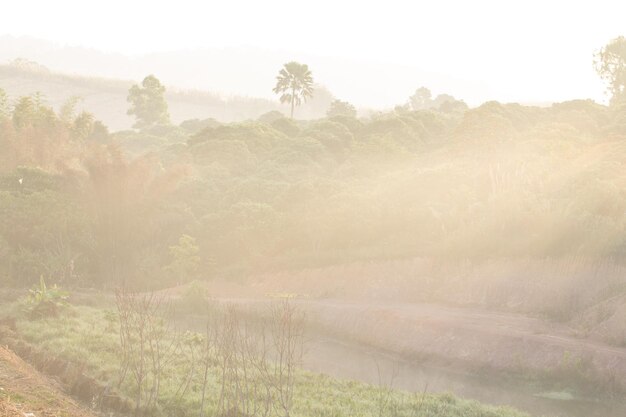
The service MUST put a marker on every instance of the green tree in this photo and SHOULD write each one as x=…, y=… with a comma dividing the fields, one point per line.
x=31, y=111
x=4, y=105
x=147, y=103
x=294, y=83
x=317, y=106
x=421, y=99
x=271, y=116
x=341, y=108
x=185, y=259
x=67, y=112
x=452, y=106
x=83, y=125
x=44, y=301
x=610, y=63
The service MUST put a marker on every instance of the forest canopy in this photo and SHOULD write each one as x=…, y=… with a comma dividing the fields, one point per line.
x=86, y=207
x=432, y=179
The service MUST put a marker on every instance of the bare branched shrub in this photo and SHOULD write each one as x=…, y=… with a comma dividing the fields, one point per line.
x=242, y=357
x=287, y=337
x=254, y=357
x=190, y=348
x=255, y=360
x=148, y=345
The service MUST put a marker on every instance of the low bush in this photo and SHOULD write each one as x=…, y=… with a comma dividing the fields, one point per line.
x=45, y=302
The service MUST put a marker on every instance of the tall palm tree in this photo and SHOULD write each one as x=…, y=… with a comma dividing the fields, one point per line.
x=294, y=83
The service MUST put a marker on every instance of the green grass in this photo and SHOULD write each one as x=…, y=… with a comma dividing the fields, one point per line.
x=89, y=335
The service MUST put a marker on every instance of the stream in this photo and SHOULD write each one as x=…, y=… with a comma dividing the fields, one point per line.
x=348, y=360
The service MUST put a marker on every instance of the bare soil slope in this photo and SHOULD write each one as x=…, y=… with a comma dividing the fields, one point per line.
x=25, y=392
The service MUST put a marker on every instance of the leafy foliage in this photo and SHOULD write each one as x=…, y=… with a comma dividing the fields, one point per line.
x=611, y=66
x=45, y=302
x=4, y=105
x=87, y=339
x=341, y=108
x=294, y=83
x=185, y=259
x=259, y=196
x=148, y=103
x=441, y=182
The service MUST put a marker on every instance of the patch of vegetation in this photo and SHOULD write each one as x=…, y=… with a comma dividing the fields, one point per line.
x=194, y=299
x=44, y=301
x=86, y=336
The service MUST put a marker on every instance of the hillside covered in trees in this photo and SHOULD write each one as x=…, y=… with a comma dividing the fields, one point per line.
x=106, y=98
x=94, y=208
x=314, y=210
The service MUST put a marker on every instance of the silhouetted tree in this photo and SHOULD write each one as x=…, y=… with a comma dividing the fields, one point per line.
x=4, y=104
x=341, y=108
x=610, y=63
x=31, y=111
x=67, y=112
x=148, y=103
x=185, y=260
x=421, y=99
x=294, y=83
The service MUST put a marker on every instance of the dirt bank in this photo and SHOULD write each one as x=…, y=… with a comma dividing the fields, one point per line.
x=23, y=390
x=61, y=375
x=587, y=295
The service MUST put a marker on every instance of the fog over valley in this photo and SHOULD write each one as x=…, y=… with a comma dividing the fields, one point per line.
x=312, y=209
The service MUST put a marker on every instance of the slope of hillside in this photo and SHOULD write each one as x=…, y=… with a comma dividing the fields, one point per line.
x=25, y=392
x=245, y=70
x=588, y=296
x=106, y=98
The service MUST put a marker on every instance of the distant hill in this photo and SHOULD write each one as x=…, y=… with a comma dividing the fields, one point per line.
x=247, y=71
x=106, y=98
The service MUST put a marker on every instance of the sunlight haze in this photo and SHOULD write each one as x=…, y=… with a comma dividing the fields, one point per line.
x=312, y=208
x=533, y=51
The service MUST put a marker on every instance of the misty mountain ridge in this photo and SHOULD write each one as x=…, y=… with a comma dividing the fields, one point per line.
x=56, y=72
x=106, y=97
x=246, y=71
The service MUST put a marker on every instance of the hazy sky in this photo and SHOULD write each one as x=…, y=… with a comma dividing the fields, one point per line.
x=515, y=51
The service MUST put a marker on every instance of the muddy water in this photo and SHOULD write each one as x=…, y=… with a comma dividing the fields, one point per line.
x=350, y=361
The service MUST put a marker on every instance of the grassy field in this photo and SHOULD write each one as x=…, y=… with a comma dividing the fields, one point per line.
x=89, y=336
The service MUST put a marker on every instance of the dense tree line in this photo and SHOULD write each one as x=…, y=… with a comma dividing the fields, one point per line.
x=433, y=178
x=83, y=207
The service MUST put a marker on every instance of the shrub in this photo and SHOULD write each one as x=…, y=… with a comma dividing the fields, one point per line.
x=45, y=302
x=195, y=299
